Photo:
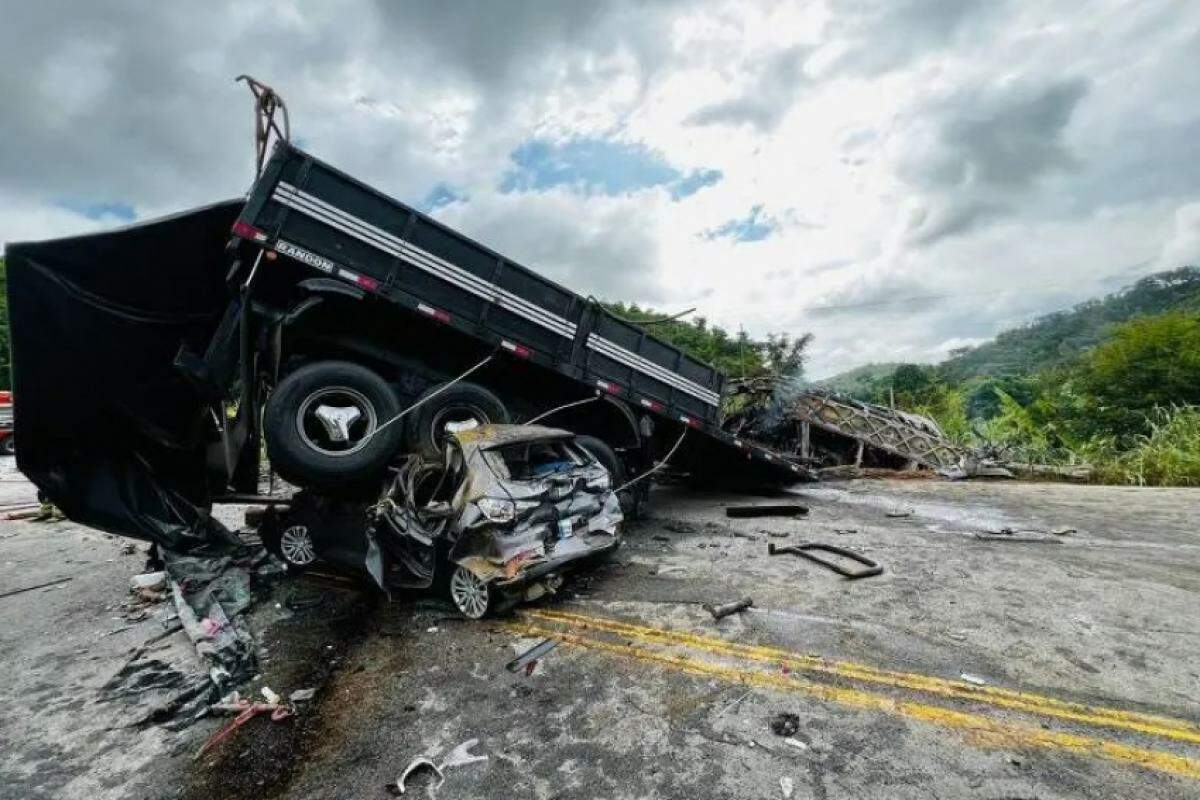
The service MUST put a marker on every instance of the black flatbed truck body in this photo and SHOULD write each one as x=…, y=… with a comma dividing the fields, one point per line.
x=311, y=212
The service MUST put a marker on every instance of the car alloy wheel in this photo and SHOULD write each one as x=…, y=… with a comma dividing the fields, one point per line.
x=470, y=593
x=296, y=546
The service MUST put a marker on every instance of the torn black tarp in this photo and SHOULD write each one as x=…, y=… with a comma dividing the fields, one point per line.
x=212, y=587
x=106, y=426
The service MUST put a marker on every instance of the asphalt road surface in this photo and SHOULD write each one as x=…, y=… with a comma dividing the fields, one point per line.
x=1023, y=641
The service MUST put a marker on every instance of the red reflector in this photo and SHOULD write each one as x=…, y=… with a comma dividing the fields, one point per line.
x=366, y=282
x=653, y=405
x=695, y=423
x=247, y=231
x=518, y=350
x=611, y=388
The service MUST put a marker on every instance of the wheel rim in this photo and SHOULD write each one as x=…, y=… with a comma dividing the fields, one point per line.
x=297, y=547
x=336, y=421
x=454, y=414
x=469, y=592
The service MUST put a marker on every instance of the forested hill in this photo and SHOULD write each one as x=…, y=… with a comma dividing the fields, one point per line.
x=1059, y=337
x=860, y=381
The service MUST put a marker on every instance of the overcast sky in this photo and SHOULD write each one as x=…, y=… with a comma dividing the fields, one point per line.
x=899, y=177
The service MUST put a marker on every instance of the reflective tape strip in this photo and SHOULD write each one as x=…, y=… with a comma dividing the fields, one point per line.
x=382, y=240
x=656, y=371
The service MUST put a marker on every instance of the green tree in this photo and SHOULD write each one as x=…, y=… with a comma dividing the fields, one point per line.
x=1146, y=364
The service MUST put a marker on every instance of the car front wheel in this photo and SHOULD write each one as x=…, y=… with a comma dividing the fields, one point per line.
x=471, y=594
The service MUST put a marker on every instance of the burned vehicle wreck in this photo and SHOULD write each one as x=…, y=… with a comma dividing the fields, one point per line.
x=500, y=519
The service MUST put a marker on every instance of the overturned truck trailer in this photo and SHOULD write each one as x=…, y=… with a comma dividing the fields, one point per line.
x=153, y=361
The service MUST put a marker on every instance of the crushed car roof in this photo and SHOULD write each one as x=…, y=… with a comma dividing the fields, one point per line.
x=486, y=437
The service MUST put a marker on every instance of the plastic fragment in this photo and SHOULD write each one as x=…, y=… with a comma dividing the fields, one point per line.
x=461, y=755
x=418, y=763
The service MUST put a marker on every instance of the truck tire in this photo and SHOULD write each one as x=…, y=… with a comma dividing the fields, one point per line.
x=322, y=425
x=462, y=401
x=605, y=455
x=631, y=499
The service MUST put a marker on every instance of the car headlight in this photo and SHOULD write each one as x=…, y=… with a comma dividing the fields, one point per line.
x=501, y=509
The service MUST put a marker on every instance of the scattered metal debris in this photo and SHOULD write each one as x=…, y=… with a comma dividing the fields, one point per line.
x=418, y=763
x=531, y=655
x=779, y=510
x=804, y=550
x=462, y=755
x=22, y=590
x=785, y=723
x=1009, y=535
x=725, y=609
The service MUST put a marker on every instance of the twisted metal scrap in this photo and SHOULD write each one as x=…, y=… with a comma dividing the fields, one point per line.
x=266, y=103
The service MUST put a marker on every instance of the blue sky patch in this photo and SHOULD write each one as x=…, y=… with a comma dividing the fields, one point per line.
x=598, y=165
x=754, y=227
x=122, y=212
x=694, y=182
x=440, y=196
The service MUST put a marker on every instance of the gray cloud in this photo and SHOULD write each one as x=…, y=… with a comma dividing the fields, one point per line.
x=1002, y=136
x=600, y=248
x=885, y=295
x=766, y=100
x=973, y=153
x=882, y=35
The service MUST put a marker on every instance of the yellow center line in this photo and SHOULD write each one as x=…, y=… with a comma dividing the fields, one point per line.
x=1164, y=727
x=982, y=730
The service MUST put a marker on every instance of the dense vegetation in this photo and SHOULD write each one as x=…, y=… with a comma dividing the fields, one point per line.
x=1113, y=382
x=738, y=355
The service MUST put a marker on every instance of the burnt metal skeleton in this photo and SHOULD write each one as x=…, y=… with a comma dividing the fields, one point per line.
x=506, y=513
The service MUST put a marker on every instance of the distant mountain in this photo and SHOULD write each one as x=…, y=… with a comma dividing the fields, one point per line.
x=860, y=381
x=1057, y=338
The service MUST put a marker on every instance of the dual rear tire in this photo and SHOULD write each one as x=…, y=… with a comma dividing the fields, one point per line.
x=332, y=424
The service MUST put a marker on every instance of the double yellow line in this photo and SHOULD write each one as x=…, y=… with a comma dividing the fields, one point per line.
x=642, y=643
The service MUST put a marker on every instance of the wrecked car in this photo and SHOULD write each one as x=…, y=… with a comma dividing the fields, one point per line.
x=500, y=519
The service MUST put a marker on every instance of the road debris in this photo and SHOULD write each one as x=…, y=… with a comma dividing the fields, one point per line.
x=805, y=550
x=785, y=723
x=302, y=695
x=419, y=763
x=22, y=590
x=796, y=743
x=1063, y=531
x=725, y=609
x=530, y=657
x=245, y=711
x=784, y=510
x=899, y=513
x=787, y=787
x=154, y=581
x=462, y=755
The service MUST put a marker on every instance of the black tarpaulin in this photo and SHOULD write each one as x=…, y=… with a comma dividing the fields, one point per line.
x=105, y=425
